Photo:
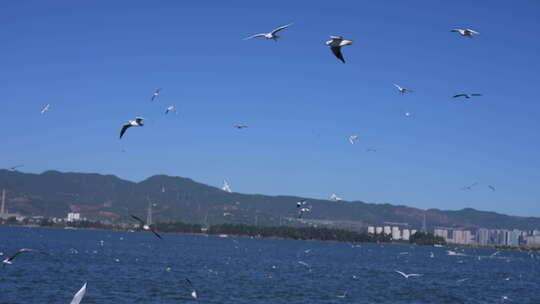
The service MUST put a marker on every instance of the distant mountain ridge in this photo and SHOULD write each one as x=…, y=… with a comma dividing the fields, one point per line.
x=108, y=197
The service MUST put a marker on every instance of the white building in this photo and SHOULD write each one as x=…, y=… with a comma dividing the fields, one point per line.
x=406, y=235
x=379, y=230
x=73, y=217
x=371, y=229
x=413, y=231
x=396, y=234
x=387, y=230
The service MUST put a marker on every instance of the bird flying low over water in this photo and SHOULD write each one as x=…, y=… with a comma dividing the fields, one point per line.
x=193, y=291
x=466, y=32
x=77, y=298
x=335, y=197
x=335, y=45
x=402, y=90
x=171, y=109
x=272, y=35
x=353, y=139
x=138, y=122
x=9, y=260
x=467, y=96
x=226, y=186
x=406, y=276
x=155, y=94
x=146, y=227
x=45, y=109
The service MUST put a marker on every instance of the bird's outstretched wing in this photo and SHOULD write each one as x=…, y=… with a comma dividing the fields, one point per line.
x=472, y=31
x=491, y=187
x=24, y=250
x=337, y=52
x=476, y=94
x=77, y=298
x=155, y=94
x=138, y=219
x=155, y=233
x=124, y=128
x=401, y=273
x=414, y=275
x=280, y=28
x=254, y=36
x=398, y=87
x=459, y=95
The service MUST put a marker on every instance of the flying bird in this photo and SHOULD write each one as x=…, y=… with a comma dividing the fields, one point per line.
x=171, y=109
x=146, y=227
x=467, y=96
x=492, y=188
x=353, y=139
x=469, y=187
x=9, y=260
x=406, y=276
x=407, y=114
x=138, y=122
x=371, y=150
x=193, y=291
x=344, y=295
x=155, y=94
x=335, y=45
x=302, y=211
x=77, y=298
x=402, y=90
x=466, y=32
x=45, y=109
x=272, y=35
x=301, y=203
x=226, y=186
x=240, y=126
x=335, y=197
x=14, y=168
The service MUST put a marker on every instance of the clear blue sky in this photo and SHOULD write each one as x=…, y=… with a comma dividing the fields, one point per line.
x=97, y=63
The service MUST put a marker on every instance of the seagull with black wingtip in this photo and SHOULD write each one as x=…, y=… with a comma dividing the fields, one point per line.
x=335, y=45
x=138, y=122
x=145, y=226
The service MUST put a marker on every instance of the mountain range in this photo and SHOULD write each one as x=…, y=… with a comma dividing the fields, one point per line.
x=111, y=199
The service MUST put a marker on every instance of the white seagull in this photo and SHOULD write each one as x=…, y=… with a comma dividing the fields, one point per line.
x=353, y=139
x=138, y=122
x=467, y=96
x=240, y=126
x=226, y=186
x=335, y=197
x=9, y=260
x=406, y=276
x=466, y=32
x=171, y=109
x=45, y=109
x=145, y=226
x=155, y=94
x=301, y=203
x=335, y=45
x=402, y=90
x=407, y=114
x=272, y=35
x=193, y=291
x=77, y=298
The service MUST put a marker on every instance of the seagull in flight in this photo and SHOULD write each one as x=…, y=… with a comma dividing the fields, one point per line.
x=469, y=187
x=14, y=168
x=371, y=150
x=77, y=298
x=335, y=45
x=403, y=90
x=226, y=186
x=9, y=260
x=335, y=197
x=272, y=35
x=492, y=188
x=344, y=295
x=466, y=32
x=301, y=203
x=467, y=96
x=406, y=276
x=194, y=294
x=171, y=109
x=155, y=94
x=146, y=227
x=45, y=109
x=138, y=122
x=301, y=209
x=240, y=126
x=353, y=139
x=407, y=114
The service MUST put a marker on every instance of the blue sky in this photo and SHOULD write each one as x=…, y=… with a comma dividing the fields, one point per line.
x=98, y=62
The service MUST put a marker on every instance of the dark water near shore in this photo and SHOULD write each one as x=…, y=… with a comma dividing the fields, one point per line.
x=139, y=268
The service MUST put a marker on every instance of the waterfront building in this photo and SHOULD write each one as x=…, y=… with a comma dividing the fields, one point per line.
x=378, y=230
x=371, y=229
x=387, y=230
x=396, y=234
x=406, y=234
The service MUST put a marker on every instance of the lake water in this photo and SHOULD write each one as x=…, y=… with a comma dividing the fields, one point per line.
x=139, y=268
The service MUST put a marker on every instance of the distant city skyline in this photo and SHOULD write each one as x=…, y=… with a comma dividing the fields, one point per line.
x=98, y=63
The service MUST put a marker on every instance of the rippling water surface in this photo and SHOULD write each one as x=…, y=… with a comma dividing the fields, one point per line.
x=123, y=267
